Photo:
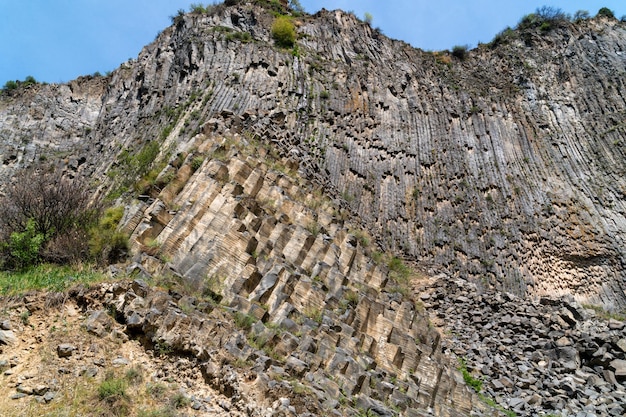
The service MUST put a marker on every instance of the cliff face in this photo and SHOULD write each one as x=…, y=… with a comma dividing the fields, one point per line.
x=505, y=167
x=273, y=168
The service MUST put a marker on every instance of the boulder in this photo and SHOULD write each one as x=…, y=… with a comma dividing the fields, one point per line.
x=7, y=337
x=65, y=350
x=99, y=323
x=618, y=366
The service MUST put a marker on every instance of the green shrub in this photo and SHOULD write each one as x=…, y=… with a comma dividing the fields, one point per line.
x=544, y=18
x=284, y=32
x=606, y=12
x=25, y=246
x=13, y=85
x=44, y=216
x=179, y=19
x=10, y=85
x=112, y=389
x=197, y=162
x=460, y=51
x=244, y=37
x=503, y=37
x=197, y=8
x=368, y=18
x=106, y=243
x=29, y=80
x=244, y=321
x=398, y=269
x=179, y=400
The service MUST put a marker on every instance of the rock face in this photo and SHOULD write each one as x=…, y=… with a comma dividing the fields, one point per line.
x=506, y=166
x=271, y=250
x=534, y=356
x=276, y=167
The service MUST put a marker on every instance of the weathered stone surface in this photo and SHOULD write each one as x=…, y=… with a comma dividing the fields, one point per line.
x=618, y=366
x=408, y=143
x=552, y=362
x=99, y=323
x=65, y=350
x=512, y=141
x=7, y=337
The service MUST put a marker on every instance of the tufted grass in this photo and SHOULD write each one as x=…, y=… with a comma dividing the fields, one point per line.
x=47, y=277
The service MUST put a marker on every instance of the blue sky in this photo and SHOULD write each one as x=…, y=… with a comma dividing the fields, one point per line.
x=59, y=40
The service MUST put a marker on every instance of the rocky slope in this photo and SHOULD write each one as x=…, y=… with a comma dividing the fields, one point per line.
x=274, y=168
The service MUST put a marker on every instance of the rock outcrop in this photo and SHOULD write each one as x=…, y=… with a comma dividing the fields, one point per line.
x=504, y=167
x=547, y=355
x=281, y=180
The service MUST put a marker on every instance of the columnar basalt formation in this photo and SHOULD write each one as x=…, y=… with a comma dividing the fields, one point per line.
x=273, y=166
x=505, y=167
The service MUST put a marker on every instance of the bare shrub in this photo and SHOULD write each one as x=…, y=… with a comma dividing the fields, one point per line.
x=44, y=216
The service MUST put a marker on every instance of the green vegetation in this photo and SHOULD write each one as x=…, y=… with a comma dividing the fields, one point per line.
x=475, y=383
x=243, y=37
x=284, y=32
x=179, y=400
x=545, y=18
x=25, y=247
x=274, y=6
x=398, y=270
x=314, y=228
x=44, y=217
x=197, y=162
x=139, y=170
x=244, y=321
x=606, y=12
x=14, y=85
x=107, y=244
x=47, y=277
x=112, y=388
x=460, y=51
x=368, y=18
x=491, y=402
x=10, y=85
x=362, y=237
x=606, y=315
x=314, y=314
x=178, y=19
x=198, y=8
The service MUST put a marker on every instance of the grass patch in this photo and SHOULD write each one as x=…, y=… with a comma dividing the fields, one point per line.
x=244, y=321
x=492, y=403
x=314, y=314
x=398, y=271
x=47, y=277
x=475, y=383
x=606, y=315
x=112, y=389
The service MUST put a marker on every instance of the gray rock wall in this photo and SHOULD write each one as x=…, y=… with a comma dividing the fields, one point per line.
x=505, y=168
